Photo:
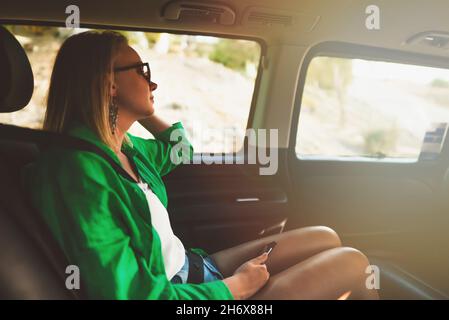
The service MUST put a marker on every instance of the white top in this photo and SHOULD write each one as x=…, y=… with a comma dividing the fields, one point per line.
x=173, y=250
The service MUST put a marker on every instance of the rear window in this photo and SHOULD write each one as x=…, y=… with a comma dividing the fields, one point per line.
x=355, y=109
x=205, y=82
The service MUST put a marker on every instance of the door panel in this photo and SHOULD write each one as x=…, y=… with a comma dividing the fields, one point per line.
x=218, y=206
x=391, y=212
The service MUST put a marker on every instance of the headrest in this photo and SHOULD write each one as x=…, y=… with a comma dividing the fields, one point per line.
x=16, y=77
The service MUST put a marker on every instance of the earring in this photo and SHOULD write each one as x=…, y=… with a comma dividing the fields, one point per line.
x=113, y=114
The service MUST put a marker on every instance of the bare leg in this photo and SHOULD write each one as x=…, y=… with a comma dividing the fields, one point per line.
x=293, y=246
x=327, y=275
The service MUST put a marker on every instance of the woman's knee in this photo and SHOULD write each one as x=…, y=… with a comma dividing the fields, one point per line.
x=326, y=237
x=330, y=236
x=358, y=269
x=354, y=259
x=350, y=264
x=329, y=273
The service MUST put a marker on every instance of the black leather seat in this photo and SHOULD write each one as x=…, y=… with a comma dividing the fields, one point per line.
x=32, y=266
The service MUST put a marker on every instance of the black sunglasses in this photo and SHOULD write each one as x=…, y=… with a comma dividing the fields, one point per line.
x=142, y=68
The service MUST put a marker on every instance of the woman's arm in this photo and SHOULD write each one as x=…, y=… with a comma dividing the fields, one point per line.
x=234, y=284
x=154, y=124
x=170, y=146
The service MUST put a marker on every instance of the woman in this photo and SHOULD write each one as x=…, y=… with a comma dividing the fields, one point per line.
x=118, y=232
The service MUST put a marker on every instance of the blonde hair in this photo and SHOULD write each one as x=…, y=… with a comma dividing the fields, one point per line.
x=80, y=84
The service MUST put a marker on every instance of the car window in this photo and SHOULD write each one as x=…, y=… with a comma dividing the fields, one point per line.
x=205, y=82
x=356, y=109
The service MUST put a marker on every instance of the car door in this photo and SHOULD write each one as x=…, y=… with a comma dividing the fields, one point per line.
x=387, y=206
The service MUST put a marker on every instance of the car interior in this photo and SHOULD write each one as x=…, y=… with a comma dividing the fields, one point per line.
x=396, y=212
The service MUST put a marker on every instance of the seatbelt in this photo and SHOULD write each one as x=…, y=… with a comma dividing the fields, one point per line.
x=83, y=145
x=196, y=268
x=47, y=139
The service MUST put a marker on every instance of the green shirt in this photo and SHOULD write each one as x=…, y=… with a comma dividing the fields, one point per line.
x=102, y=220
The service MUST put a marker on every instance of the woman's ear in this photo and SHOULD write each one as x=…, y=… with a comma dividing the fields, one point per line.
x=113, y=89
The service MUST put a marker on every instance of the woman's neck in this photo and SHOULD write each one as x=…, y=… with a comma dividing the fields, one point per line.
x=122, y=127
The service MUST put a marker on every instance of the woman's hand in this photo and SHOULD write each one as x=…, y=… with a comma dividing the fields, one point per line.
x=248, y=278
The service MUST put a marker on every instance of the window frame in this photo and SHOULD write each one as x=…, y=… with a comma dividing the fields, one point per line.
x=336, y=49
x=263, y=50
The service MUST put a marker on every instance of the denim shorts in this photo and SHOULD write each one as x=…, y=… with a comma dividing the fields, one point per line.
x=211, y=272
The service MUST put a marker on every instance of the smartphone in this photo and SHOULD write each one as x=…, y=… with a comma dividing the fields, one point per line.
x=268, y=247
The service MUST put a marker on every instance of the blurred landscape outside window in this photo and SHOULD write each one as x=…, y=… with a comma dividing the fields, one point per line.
x=369, y=110
x=205, y=82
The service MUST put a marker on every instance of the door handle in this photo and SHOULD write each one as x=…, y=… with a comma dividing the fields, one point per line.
x=247, y=199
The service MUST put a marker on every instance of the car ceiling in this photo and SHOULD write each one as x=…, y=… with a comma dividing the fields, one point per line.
x=315, y=20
